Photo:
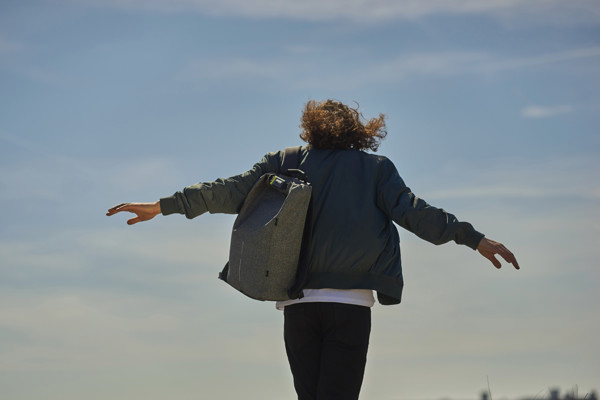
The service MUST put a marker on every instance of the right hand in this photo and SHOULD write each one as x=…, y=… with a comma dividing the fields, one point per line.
x=144, y=211
x=489, y=248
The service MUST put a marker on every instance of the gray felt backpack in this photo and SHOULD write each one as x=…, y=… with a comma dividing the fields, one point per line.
x=267, y=259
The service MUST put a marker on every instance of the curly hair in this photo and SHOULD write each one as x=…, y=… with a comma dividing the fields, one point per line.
x=333, y=125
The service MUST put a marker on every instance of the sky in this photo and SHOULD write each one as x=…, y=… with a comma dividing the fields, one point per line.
x=492, y=109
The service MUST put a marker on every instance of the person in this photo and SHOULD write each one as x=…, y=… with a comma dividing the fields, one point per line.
x=355, y=247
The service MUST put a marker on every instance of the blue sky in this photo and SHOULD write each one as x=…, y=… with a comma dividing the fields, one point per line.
x=493, y=111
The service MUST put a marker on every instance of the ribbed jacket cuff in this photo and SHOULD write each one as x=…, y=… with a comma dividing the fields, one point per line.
x=473, y=238
x=169, y=205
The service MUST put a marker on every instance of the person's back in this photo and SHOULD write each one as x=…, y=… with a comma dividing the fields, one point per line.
x=349, y=230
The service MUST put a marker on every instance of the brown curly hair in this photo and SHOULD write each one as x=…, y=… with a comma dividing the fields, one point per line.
x=333, y=125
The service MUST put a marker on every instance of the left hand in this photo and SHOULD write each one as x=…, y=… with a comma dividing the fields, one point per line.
x=144, y=211
x=489, y=248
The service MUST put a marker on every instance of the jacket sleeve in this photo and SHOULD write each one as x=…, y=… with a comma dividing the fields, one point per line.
x=221, y=196
x=414, y=214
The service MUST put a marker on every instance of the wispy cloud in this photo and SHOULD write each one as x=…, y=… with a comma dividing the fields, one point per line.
x=8, y=46
x=236, y=67
x=298, y=72
x=575, y=178
x=542, y=59
x=553, y=11
x=8, y=49
x=454, y=63
x=60, y=177
x=537, y=112
x=430, y=64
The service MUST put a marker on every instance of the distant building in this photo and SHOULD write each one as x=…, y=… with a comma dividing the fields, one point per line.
x=554, y=394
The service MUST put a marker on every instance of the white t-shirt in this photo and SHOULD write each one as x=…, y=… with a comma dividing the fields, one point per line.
x=359, y=297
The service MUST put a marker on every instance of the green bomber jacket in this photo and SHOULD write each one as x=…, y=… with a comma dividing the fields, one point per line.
x=357, y=198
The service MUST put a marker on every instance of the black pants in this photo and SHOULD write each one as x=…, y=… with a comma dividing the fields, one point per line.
x=326, y=345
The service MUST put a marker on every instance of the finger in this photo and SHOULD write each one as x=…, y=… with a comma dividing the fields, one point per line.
x=134, y=221
x=509, y=257
x=117, y=206
x=116, y=209
x=515, y=263
x=494, y=260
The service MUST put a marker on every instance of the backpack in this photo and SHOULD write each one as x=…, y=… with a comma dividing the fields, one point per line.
x=267, y=255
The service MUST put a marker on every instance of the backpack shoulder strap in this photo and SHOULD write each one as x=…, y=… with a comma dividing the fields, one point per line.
x=291, y=158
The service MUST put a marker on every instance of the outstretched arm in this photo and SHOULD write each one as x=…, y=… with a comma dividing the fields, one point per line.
x=144, y=211
x=489, y=248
